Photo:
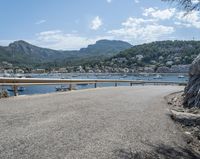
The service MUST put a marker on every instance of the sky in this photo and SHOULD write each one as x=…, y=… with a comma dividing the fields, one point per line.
x=73, y=24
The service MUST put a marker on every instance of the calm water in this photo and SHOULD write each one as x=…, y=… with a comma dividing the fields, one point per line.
x=52, y=88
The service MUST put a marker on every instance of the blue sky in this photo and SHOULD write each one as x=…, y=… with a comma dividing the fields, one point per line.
x=72, y=24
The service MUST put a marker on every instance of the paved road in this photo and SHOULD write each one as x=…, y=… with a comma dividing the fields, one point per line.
x=123, y=122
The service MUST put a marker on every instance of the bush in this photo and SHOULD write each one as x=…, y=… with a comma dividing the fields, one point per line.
x=4, y=94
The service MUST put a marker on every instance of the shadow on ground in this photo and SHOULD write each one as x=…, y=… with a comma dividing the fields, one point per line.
x=159, y=151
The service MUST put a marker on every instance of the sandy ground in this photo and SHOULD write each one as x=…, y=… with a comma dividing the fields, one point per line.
x=122, y=122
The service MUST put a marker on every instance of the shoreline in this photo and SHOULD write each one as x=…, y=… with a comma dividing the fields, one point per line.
x=85, y=90
x=61, y=93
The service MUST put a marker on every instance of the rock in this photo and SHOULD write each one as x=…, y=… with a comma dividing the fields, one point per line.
x=187, y=119
x=188, y=137
x=195, y=67
x=174, y=99
x=192, y=90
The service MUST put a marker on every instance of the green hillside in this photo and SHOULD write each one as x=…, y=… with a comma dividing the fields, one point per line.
x=162, y=53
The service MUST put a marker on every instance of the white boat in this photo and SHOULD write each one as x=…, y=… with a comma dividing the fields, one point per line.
x=181, y=76
x=75, y=75
x=19, y=76
x=157, y=77
x=6, y=75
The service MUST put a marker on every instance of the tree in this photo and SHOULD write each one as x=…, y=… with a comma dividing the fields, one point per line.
x=188, y=5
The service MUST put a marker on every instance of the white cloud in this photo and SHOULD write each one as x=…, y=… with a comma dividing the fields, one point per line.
x=134, y=22
x=181, y=24
x=109, y=1
x=195, y=1
x=180, y=18
x=56, y=39
x=136, y=1
x=40, y=22
x=143, y=30
x=5, y=42
x=191, y=19
x=96, y=23
x=160, y=14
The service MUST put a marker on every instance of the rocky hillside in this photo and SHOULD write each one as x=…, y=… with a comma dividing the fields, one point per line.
x=192, y=91
x=23, y=53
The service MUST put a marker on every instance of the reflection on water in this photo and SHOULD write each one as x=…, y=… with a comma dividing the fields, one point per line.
x=52, y=88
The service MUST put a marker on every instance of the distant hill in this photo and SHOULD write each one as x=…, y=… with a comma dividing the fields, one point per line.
x=21, y=53
x=161, y=53
x=105, y=48
x=101, y=50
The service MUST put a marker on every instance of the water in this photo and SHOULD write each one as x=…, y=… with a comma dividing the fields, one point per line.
x=43, y=89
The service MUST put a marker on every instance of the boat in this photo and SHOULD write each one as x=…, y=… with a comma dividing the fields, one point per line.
x=28, y=76
x=19, y=76
x=19, y=89
x=6, y=75
x=124, y=76
x=181, y=76
x=157, y=77
x=62, y=88
x=75, y=75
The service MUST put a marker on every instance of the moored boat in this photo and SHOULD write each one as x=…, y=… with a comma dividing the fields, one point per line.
x=62, y=88
x=157, y=77
x=19, y=89
x=181, y=76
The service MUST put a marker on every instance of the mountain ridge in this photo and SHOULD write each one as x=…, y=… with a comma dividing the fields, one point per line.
x=23, y=52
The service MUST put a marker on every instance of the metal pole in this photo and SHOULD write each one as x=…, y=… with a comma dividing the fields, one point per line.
x=15, y=90
x=70, y=87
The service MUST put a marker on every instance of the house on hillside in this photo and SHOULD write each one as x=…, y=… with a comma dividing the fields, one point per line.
x=38, y=71
x=19, y=71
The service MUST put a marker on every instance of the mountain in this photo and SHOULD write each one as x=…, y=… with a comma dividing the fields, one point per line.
x=101, y=50
x=160, y=53
x=105, y=48
x=23, y=53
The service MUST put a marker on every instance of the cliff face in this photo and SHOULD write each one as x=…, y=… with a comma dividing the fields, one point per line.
x=192, y=91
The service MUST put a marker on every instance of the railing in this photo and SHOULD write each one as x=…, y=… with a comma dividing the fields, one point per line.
x=15, y=82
